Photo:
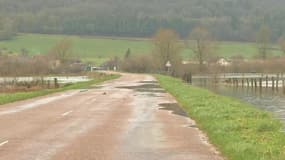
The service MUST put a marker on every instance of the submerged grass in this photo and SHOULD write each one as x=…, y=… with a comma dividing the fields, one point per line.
x=239, y=130
x=12, y=97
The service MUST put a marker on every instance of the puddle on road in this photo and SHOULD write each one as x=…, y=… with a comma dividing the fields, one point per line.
x=153, y=95
x=150, y=87
x=149, y=82
x=174, y=107
x=152, y=90
x=192, y=126
x=144, y=86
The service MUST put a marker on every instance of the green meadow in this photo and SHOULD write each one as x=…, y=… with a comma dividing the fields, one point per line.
x=100, y=49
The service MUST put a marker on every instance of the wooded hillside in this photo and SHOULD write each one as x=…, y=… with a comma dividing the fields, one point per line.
x=225, y=19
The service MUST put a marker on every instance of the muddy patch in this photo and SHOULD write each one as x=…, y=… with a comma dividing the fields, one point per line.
x=152, y=88
x=174, y=107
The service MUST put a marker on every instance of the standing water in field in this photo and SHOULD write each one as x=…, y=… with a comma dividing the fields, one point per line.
x=265, y=99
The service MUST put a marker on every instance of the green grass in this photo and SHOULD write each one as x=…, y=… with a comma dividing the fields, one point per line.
x=12, y=97
x=98, y=49
x=88, y=48
x=240, y=131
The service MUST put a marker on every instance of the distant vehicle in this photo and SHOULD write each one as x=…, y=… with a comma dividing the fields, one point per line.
x=97, y=68
x=91, y=68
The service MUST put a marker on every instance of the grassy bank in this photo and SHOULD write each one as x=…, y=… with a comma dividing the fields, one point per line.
x=12, y=97
x=240, y=131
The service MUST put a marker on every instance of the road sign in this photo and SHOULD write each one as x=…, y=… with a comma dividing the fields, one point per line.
x=168, y=64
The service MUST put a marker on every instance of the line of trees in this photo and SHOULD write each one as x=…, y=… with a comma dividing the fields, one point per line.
x=227, y=20
x=168, y=47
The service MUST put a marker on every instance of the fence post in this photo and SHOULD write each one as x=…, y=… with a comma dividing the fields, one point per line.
x=42, y=81
x=266, y=81
x=283, y=85
x=277, y=82
x=48, y=84
x=273, y=85
x=260, y=83
x=255, y=83
x=190, y=78
x=56, y=83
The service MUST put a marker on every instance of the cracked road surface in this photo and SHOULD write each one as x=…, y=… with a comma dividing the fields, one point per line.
x=130, y=118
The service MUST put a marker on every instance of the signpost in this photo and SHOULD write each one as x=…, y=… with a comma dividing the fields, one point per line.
x=168, y=66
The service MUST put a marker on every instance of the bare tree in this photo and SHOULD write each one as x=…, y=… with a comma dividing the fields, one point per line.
x=202, y=45
x=62, y=51
x=167, y=48
x=142, y=63
x=263, y=42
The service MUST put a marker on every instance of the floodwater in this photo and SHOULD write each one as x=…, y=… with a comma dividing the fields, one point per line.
x=266, y=99
x=61, y=79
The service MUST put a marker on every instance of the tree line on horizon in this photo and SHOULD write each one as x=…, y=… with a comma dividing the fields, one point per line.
x=167, y=49
x=234, y=20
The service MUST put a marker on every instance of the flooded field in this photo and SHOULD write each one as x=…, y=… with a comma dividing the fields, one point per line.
x=61, y=79
x=266, y=99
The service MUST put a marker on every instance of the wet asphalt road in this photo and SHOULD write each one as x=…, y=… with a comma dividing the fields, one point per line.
x=130, y=118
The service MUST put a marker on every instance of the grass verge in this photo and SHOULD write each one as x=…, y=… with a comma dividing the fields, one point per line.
x=12, y=97
x=239, y=130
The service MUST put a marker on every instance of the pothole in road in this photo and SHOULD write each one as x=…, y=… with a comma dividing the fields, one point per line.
x=174, y=107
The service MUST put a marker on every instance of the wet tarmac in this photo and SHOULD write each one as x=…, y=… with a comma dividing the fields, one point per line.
x=174, y=108
x=130, y=118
